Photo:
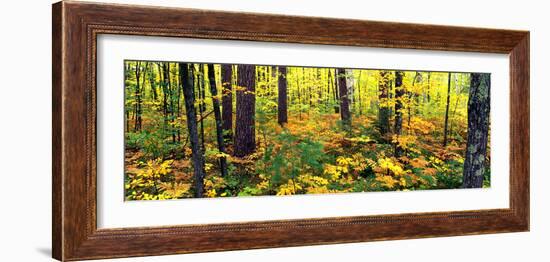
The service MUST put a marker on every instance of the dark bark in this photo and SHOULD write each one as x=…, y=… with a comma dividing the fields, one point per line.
x=127, y=91
x=429, y=87
x=329, y=84
x=227, y=100
x=152, y=82
x=345, y=113
x=162, y=72
x=336, y=95
x=445, y=131
x=318, y=83
x=399, y=93
x=189, y=97
x=309, y=92
x=202, y=104
x=127, y=120
x=171, y=107
x=217, y=117
x=137, y=94
x=299, y=95
x=282, y=106
x=140, y=75
x=178, y=107
x=383, y=108
x=478, y=130
x=390, y=98
x=245, y=133
x=359, y=97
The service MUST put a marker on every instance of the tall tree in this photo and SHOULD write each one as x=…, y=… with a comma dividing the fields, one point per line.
x=202, y=104
x=310, y=94
x=282, y=106
x=152, y=83
x=163, y=83
x=172, y=110
x=359, y=97
x=336, y=93
x=168, y=97
x=478, y=130
x=299, y=96
x=345, y=113
x=458, y=90
x=399, y=93
x=217, y=117
x=445, y=131
x=245, y=131
x=140, y=87
x=178, y=99
x=350, y=85
x=227, y=100
x=383, y=108
x=329, y=84
x=273, y=80
x=411, y=96
x=319, y=84
x=137, y=94
x=189, y=97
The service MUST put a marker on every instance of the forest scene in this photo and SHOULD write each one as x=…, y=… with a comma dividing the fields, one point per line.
x=196, y=130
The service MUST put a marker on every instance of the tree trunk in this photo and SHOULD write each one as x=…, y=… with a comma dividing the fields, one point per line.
x=171, y=105
x=218, y=117
x=350, y=86
x=127, y=121
x=458, y=90
x=429, y=87
x=447, y=110
x=329, y=84
x=245, y=135
x=282, y=107
x=137, y=122
x=202, y=104
x=152, y=82
x=273, y=80
x=189, y=97
x=478, y=130
x=178, y=106
x=336, y=95
x=140, y=87
x=359, y=97
x=164, y=101
x=383, y=108
x=307, y=83
x=345, y=114
x=319, y=84
x=411, y=96
x=399, y=93
x=227, y=100
x=298, y=87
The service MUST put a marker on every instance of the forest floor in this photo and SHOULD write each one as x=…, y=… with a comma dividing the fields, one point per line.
x=312, y=154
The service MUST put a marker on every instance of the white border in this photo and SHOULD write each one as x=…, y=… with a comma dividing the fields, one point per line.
x=113, y=212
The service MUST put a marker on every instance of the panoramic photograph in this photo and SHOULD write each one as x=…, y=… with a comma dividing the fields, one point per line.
x=199, y=130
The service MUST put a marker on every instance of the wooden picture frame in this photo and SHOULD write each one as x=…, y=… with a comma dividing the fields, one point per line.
x=76, y=26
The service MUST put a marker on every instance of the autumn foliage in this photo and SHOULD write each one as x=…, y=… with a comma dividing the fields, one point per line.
x=316, y=149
